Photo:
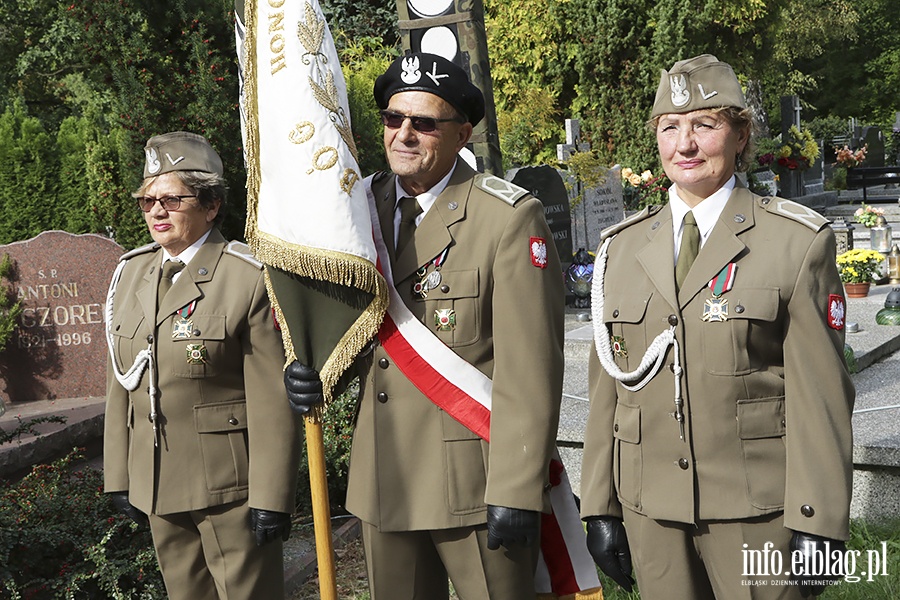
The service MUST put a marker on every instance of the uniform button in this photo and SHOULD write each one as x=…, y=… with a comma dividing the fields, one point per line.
x=384, y=363
x=150, y=339
x=616, y=427
x=202, y=271
x=807, y=511
x=683, y=463
x=615, y=313
x=548, y=487
x=739, y=218
x=382, y=397
x=445, y=288
x=654, y=226
x=673, y=320
x=117, y=327
x=232, y=421
x=783, y=423
x=766, y=200
x=197, y=332
x=739, y=308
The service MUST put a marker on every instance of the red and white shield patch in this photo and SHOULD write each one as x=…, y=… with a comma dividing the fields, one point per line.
x=538, y=252
x=836, y=311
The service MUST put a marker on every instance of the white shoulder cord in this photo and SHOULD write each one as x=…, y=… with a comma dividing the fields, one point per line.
x=131, y=378
x=654, y=356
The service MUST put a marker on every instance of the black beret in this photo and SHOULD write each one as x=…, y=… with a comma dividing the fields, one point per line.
x=434, y=74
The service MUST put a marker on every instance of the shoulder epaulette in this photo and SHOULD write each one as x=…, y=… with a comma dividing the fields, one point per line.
x=242, y=250
x=141, y=250
x=793, y=211
x=500, y=188
x=635, y=218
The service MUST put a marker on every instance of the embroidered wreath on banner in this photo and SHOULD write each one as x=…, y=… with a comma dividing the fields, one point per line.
x=311, y=33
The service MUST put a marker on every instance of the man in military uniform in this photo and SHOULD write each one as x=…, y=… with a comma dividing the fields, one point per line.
x=198, y=434
x=720, y=401
x=474, y=269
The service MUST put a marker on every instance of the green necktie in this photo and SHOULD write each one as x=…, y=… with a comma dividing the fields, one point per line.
x=409, y=210
x=170, y=268
x=690, y=247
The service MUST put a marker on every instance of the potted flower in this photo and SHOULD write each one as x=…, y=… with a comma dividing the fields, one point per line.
x=858, y=269
x=867, y=215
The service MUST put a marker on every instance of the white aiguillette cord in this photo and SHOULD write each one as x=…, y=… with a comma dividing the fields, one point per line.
x=654, y=356
x=131, y=378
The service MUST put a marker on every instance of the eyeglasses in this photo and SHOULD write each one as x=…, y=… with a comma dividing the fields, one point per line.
x=394, y=120
x=167, y=202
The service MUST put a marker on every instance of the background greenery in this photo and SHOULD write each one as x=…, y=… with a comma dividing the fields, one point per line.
x=84, y=84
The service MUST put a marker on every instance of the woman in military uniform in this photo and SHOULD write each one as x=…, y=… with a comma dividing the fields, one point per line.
x=199, y=437
x=720, y=402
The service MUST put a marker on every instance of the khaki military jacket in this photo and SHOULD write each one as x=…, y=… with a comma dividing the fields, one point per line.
x=768, y=398
x=226, y=430
x=413, y=466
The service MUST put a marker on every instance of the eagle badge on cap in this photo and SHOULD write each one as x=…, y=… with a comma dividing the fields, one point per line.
x=411, y=73
x=153, y=164
x=680, y=93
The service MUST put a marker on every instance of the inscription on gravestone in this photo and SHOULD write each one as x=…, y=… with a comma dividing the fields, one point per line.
x=545, y=184
x=600, y=207
x=58, y=349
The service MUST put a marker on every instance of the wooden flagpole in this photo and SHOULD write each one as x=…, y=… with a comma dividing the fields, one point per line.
x=318, y=484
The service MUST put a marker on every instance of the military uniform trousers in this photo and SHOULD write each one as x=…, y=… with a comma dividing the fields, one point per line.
x=415, y=565
x=211, y=554
x=707, y=561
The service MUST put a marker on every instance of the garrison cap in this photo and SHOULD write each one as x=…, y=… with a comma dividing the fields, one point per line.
x=180, y=151
x=435, y=74
x=697, y=83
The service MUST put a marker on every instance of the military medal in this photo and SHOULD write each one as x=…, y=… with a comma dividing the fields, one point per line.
x=618, y=346
x=183, y=328
x=429, y=281
x=445, y=319
x=197, y=354
x=715, y=309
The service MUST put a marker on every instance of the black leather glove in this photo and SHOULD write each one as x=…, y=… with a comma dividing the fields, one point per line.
x=304, y=388
x=608, y=545
x=269, y=525
x=509, y=526
x=122, y=504
x=811, y=583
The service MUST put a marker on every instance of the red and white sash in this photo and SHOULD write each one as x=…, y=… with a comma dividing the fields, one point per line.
x=565, y=569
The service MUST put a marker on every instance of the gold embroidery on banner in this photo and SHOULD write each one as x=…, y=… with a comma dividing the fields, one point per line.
x=276, y=40
x=348, y=180
x=302, y=132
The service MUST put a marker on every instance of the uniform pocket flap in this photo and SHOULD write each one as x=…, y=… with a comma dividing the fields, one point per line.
x=225, y=416
x=625, y=308
x=760, y=304
x=456, y=284
x=627, y=425
x=761, y=418
x=126, y=325
x=208, y=327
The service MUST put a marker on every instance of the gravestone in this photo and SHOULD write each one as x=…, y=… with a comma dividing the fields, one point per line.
x=873, y=137
x=545, y=184
x=600, y=207
x=58, y=348
x=814, y=177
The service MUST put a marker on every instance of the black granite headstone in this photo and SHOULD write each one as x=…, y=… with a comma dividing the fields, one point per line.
x=545, y=184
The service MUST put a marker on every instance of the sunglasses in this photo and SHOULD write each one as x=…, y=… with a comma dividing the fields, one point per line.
x=394, y=120
x=169, y=203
